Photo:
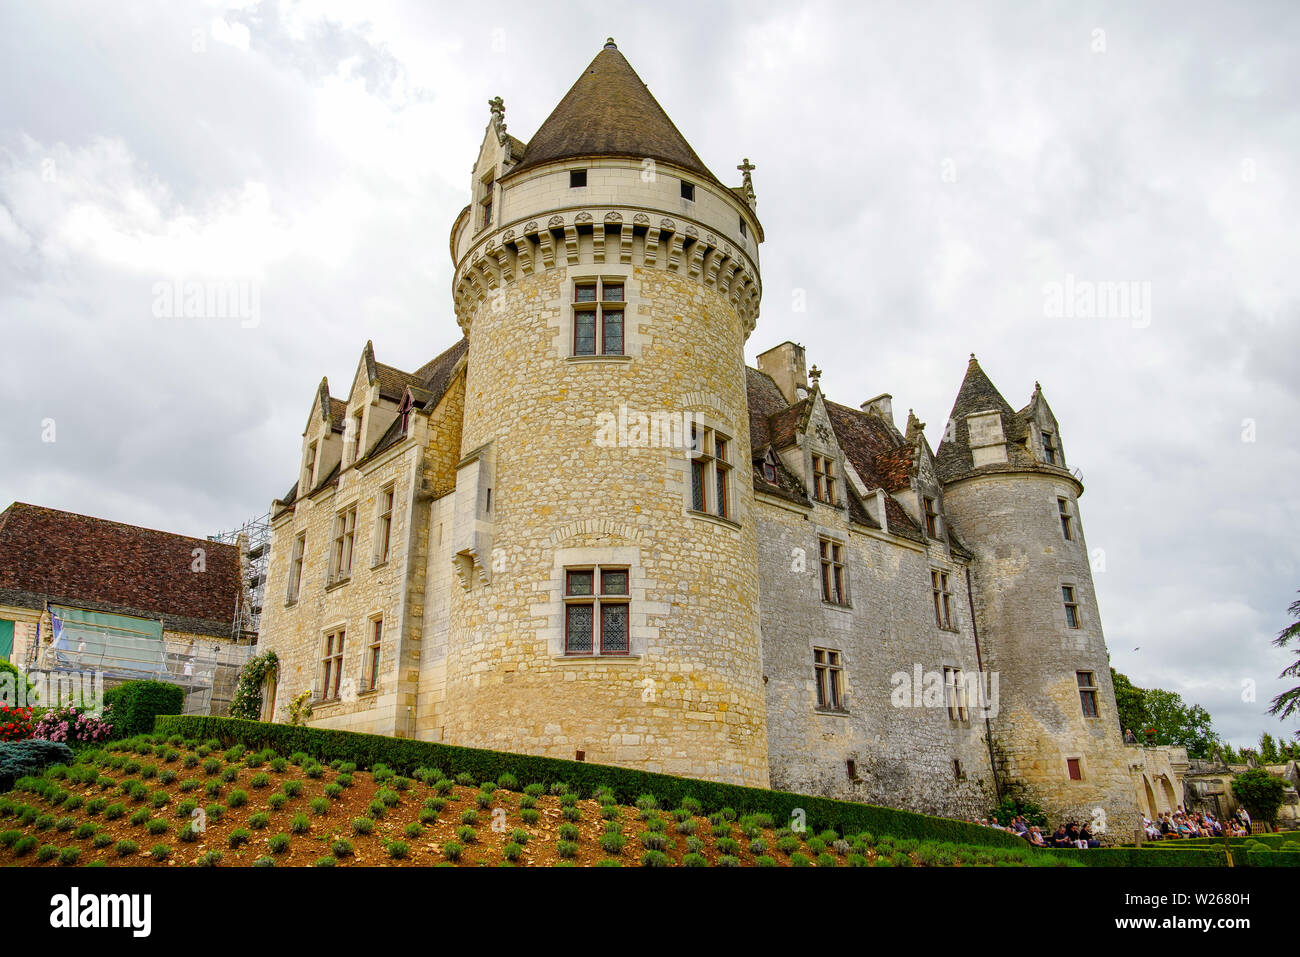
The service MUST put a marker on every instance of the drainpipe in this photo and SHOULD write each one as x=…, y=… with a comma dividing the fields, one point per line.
x=979, y=663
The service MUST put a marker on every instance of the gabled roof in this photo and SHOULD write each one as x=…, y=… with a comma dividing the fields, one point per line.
x=48, y=555
x=609, y=111
x=866, y=439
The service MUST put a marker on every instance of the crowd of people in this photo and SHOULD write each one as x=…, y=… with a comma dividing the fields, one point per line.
x=1168, y=825
x=1071, y=834
x=1181, y=824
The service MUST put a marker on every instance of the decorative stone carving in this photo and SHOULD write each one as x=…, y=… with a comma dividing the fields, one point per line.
x=583, y=217
x=613, y=217
x=555, y=222
x=641, y=219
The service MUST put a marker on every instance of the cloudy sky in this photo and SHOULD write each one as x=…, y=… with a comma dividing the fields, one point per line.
x=927, y=174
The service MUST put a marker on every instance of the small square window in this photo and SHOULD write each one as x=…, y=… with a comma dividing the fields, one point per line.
x=1076, y=769
x=577, y=177
x=688, y=191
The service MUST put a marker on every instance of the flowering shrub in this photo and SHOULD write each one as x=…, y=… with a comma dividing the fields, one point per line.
x=15, y=723
x=72, y=724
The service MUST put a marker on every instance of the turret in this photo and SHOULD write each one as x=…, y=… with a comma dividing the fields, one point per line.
x=1011, y=500
x=605, y=605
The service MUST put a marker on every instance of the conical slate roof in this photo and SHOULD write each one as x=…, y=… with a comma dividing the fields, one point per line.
x=609, y=112
x=978, y=394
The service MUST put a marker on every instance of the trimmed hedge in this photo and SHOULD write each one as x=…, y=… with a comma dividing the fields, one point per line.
x=404, y=755
x=20, y=758
x=137, y=703
x=1142, y=856
x=1272, y=840
x=1266, y=859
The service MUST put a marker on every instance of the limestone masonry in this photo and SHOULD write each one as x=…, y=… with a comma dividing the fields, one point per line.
x=587, y=530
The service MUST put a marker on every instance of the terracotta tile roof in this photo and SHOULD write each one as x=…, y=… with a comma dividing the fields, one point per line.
x=609, y=111
x=878, y=453
x=48, y=555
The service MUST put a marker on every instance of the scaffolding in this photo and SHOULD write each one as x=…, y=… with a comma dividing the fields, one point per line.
x=88, y=648
x=253, y=539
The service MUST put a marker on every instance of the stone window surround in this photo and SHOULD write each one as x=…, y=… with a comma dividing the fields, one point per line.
x=366, y=677
x=379, y=560
x=680, y=462
x=1077, y=604
x=952, y=625
x=639, y=609
x=318, y=689
x=961, y=689
x=1083, y=767
x=562, y=311
x=839, y=538
x=333, y=578
x=842, y=670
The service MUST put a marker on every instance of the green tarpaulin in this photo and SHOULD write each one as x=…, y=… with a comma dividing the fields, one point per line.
x=112, y=643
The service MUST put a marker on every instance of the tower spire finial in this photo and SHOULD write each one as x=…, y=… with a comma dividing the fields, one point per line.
x=747, y=181
x=610, y=44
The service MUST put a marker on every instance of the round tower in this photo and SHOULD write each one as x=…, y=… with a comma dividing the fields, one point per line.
x=606, y=601
x=1013, y=502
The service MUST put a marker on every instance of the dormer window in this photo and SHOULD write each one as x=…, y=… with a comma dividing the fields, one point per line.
x=309, y=468
x=598, y=318
x=688, y=191
x=1051, y=452
x=485, y=203
x=823, y=479
x=931, y=509
x=358, y=417
x=769, y=468
x=404, y=411
x=577, y=178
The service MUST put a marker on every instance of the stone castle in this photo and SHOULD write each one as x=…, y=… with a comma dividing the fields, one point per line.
x=587, y=530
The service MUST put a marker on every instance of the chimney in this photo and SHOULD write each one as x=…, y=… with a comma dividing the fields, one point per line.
x=882, y=405
x=786, y=365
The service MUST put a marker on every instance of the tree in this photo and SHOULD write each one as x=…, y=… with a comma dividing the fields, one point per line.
x=1268, y=752
x=1288, y=702
x=1131, y=702
x=1180, y=724
x=1260, y=792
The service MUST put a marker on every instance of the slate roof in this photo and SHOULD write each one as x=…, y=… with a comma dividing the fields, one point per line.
x=428, y=384
x=609, y=111
x=867, y=440
x=48, y=555
x=978, y=394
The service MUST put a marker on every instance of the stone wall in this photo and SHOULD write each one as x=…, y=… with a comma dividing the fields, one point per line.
x=1010, y=520
x=688, y=699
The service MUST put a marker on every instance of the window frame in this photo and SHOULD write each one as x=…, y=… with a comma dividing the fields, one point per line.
x=1074, y=768
x=374, y=651
x=598, y=600
x=1051, y=452
x=384, y=505
x=309, y=466
x=930, y=512
x=343, y=544
x=833, y=564
x=1067, y=519
x=1073, y=617
x=486, y=202
x=575, y=174
x=1087, y=682
x=824, y=478
x=358, y=419
x=711, y=471
x=331, y=663
x=297, y=559
x=598, y=309
x=828, y=679
x=954, y=693
x=940, y=589
x=688, y=191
